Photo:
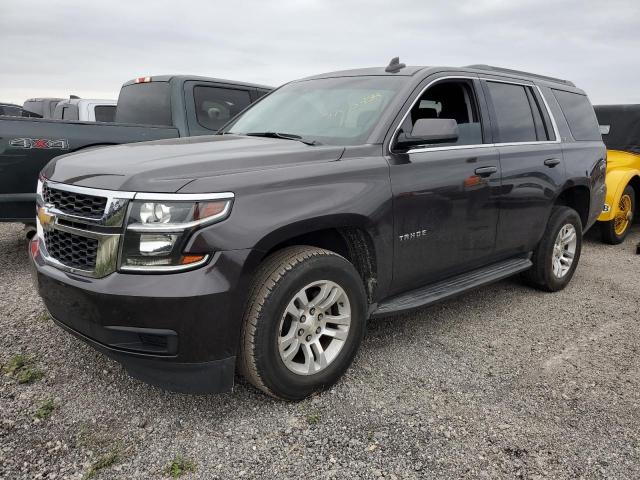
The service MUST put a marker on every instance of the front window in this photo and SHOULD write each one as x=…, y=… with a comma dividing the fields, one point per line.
x=454, y=100
x=330, y=111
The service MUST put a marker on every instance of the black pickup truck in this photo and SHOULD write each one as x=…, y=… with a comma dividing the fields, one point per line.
x=149, y=108
x=335, y=199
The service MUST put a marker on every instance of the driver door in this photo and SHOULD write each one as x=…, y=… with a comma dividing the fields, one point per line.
x=445, y=196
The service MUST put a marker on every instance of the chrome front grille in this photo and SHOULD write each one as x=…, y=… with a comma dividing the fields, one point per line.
x=86, y=206
x=72, y=250
x=80, y=228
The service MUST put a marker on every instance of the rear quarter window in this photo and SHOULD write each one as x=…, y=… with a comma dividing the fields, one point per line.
x=145, y=103
x=579, y=114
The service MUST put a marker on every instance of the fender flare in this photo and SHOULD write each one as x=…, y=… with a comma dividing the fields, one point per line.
x=309, y=225
x=616, y=181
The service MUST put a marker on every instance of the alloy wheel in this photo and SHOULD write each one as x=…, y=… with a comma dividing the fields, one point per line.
x=314, y=327
x=564, y=250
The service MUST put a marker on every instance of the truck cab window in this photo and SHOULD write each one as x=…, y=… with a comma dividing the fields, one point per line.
x=105, y=113
x=452, y=100
x=216, y=106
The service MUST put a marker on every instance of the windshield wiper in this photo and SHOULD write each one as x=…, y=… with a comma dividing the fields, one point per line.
x=285, y=136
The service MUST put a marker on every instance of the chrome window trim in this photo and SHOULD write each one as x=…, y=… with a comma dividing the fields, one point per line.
x=478, y=145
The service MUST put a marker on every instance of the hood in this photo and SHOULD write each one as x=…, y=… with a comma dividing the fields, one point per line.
x=168, y=165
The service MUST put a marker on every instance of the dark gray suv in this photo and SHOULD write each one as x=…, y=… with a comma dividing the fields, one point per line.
x=332, y=200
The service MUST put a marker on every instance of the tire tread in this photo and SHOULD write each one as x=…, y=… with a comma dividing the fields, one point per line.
x=535, y=276
x=264, y=281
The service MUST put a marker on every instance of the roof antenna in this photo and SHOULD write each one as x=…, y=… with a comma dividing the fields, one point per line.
x=394, y=65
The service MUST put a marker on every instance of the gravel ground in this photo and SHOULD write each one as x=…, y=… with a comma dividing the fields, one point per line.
x=503, y=382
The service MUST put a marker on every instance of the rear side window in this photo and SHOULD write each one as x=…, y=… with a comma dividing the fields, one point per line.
x=512, y=108
x=105, y=113
x=146, y=103
x=215, y=106
x=579, y=114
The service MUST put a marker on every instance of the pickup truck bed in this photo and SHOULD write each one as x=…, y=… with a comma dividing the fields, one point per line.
x=25, y=149
x=149, y=108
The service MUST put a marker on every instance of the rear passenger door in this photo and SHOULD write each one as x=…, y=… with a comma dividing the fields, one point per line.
x=210, y=105
x=531, y=162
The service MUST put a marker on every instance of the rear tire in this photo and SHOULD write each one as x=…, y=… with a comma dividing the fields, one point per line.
x=556, y=257
x=302, y=289
x=615, y=231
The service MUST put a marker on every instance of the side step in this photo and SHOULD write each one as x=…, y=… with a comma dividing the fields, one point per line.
x=451, y=286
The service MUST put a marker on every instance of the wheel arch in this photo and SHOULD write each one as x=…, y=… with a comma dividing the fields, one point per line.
x=635, y=184
x=91, y=146
x=348, y=235
x=617, y=181
x=577, y=197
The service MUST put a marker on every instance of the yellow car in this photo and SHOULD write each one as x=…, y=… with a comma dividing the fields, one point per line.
x=620, y=128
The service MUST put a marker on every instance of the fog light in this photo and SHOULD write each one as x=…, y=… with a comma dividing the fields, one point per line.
x=156, y=244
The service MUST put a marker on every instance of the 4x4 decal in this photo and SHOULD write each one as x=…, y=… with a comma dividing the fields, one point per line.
x=39, y=143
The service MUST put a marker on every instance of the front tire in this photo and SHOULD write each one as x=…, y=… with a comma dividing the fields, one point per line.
x=556, y=257
x=615, y=231
x=304, y=322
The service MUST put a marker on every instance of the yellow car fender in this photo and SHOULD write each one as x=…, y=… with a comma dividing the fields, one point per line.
x=622, y=167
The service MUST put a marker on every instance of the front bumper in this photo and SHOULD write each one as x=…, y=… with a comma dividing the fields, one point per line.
x=178, y=331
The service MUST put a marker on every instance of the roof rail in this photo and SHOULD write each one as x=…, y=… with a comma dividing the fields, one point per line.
x=519, y=72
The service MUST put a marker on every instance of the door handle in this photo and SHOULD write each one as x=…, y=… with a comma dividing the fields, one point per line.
x=485, y=171
x=551, y=162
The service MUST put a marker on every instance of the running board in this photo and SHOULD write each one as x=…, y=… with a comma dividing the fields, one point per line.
x=451, y=287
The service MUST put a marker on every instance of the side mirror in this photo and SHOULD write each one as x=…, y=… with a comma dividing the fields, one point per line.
x=429, y=130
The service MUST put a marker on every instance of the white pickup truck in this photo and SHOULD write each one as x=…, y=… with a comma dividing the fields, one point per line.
x=85, y=110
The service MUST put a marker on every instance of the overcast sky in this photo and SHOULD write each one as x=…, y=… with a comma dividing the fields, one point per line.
x=87, y=48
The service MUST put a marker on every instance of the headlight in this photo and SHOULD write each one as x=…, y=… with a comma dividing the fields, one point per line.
x=158, y=227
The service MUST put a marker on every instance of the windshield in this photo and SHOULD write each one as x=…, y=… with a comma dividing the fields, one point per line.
x=330, y=111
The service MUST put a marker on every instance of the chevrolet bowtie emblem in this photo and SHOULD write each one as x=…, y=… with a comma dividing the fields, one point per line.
x=46, y=219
